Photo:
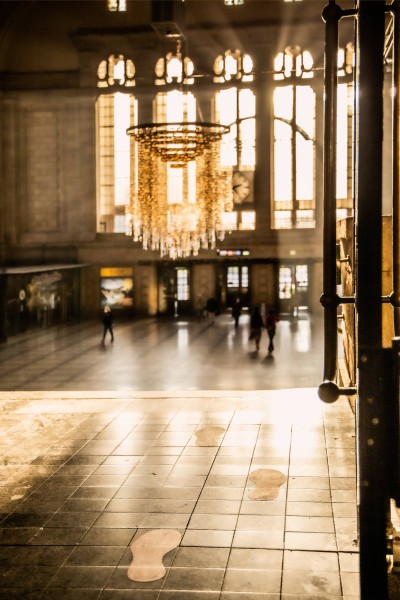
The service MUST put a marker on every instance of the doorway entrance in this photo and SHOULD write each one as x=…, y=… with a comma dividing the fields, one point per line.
x=237, y=285
x=293, y=289
x=174, y=291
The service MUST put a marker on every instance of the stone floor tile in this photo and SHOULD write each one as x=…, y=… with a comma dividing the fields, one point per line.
x=103, y=467
x=252, y=580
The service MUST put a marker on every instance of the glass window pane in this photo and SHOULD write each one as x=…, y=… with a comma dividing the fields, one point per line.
x=121, y=148
x=244, y=284
x=302, y=276
x=119, y=224
x=115, y=154
x=174, y=185
x=229, y=221
x=233, y=280
x=294, y=109
x=304, y=168
x=283, y=102
x=182, y=278
x=305, y=109
x=305, y=219
x=282, y=164
x=342, y=143
x=248, y=220
x=286, y=286
x=282, y=219
x=180, y=106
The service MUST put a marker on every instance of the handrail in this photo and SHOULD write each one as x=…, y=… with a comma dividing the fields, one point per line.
x=331, y=14
x=329, y=391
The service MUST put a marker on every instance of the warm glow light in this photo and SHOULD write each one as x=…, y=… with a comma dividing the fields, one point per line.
x=116, y=5
x=342, y=143
x=121, y=149
x=178, y=226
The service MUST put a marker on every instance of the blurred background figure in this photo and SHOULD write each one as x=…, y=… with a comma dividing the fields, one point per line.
x=256, y=325
x=211, y=309
x=107, y=323
x=270, y=324
x=236, y=311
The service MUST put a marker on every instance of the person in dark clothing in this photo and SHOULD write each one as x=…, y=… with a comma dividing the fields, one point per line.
x=236, y=311
x=107, y=323
x=256, y=325
x=270, y=324
x=211, y=309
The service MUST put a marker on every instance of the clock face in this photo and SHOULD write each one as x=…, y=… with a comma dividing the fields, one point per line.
x=240, y=187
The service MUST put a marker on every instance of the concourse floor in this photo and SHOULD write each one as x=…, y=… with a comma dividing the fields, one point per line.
x=175, y=463
x=163, y=354
x=257, y=490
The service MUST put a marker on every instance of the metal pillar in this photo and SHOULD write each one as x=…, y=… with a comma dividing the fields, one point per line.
x=371, y=358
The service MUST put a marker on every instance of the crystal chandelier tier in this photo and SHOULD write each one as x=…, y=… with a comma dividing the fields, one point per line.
x=182, y=192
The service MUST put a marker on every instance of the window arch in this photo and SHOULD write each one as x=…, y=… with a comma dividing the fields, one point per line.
x=116, y=72
x=115, y=112
x=174, y=68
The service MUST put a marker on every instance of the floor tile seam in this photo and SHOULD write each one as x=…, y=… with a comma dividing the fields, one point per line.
x=210, y=468
x=127, y=396
x=102, y=587
x=38, y=359
x=286, y=510
x=202, y=489
x=331, y=502
x=60, y=467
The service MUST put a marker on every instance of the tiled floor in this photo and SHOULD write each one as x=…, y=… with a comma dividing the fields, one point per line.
x=160, y=354
x=84, y=474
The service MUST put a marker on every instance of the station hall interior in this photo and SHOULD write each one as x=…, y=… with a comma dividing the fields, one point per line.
x=154, y=156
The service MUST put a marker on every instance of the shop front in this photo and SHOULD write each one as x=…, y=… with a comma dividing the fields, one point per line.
x=32, y=297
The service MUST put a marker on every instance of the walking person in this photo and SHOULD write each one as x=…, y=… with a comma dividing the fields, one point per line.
x=108, y=319
x=211, y=309
x=256, y=325
x=270, y=324
x=236, y=311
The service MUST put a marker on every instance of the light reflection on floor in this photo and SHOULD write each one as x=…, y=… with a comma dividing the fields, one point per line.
x=86, y=475
x=170, y=354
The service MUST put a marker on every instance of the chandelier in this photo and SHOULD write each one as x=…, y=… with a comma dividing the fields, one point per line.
x=182, y=192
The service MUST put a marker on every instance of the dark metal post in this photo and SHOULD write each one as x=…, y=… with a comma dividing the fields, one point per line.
x=331, y=15
x=396, y=165
x=329, y=391
x=370, y=356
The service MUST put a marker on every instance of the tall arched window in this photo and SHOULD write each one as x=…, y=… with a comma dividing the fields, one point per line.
x=236, y=106
x=294, y=141
x=115, y=112
x=176, y=106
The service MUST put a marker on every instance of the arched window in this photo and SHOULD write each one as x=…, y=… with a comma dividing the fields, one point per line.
x=236, y=106
x=116, y=72
x=115, y=112
x=294, y=141
x=174, y=68
x=177, y=106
